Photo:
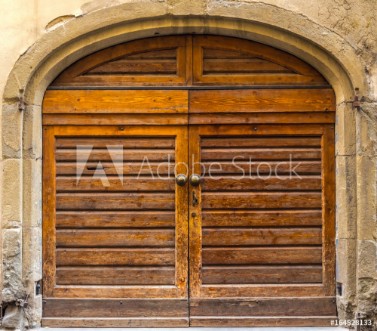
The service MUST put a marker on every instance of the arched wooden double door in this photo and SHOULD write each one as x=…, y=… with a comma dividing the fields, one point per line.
x=188, y=180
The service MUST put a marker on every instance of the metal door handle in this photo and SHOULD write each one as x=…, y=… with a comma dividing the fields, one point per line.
x=195, y=180
x=181, y=179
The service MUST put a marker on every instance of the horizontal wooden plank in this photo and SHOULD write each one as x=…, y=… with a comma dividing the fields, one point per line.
x=222, y=183
x=118, y=219
x=268, y=200
x=115, y=256
x=115, y=201
x=170, y=53
x=152, y=168
x=261, y=236
x=269, y=321
x=115, y=276
x=244, y=66
x=139, y=66
x=262, y=275
x=114, y=154
x=115, y=238
x=253, y=168
x=269, y=141
x=269, y=100
x=91, y=322
x=252, y=154
x=114, y=308
x=321, y=306
x=115, y=101
x=262, y=118
x=258, y=255
x=125, y=142
x=115, y=119
x=105, y=183
x=261, y=218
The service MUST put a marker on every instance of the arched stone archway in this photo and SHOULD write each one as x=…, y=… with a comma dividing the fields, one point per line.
x=98, y=29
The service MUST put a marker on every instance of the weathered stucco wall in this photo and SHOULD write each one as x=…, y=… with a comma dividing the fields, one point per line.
x=39, y=38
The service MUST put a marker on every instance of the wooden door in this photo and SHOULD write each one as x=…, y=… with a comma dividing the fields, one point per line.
x=260, y=246
x=250, y=244
x=115, y=222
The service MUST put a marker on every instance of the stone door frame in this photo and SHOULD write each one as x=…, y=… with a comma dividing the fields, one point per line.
x=80, y=36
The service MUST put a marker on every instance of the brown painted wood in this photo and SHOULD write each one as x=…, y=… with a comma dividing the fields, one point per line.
x=115, y=275
x=261, y=255
x=114, y=256
x=270, y=321
x=151, y=61
x=114, y=322
x=250, y=101
x=261, y=237
x=262, y=118
x=120, y=219
x=287, y=183
x=257, y=250
x=115, y=101
x=261, y=274
x=115, y=238
x=260, y=218
x=323, y=306
x=119, y=119
x=115, y=308
x=218, y=60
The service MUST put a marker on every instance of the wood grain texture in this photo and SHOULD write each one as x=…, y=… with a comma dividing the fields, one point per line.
x=115, y=238
x=261, y=236
x=270, y=321
x=114, y=256
x=150, y=61
x=115, y=308
x=114, y=322
x=262, y=255
x=259, y=249
x=261, y=274
x=114, y=101
x=323, y=306
x=115, y=276
x=222, y=60
x=250, y=101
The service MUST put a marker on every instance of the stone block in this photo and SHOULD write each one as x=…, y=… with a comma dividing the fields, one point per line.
x=346, y=208
x=366, y=259
x=11, y=131
x=32, y=256
x=11, y=193
x=32, y=133
x=366, y=198
x=32, y=193
x=12, y=265
x=345, y=132
x=183, y=7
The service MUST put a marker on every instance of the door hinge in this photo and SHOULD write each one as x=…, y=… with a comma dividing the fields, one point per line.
x=357, y=100
x=21, y=101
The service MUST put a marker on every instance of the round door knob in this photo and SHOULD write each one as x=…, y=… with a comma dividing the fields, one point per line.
x=181, y=179
x=195, y=180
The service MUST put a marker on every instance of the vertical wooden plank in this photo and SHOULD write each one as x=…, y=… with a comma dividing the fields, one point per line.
x=328, y=209
x=48, y=212
x=197, y=61
x=181, y=198
x=195, y=224
x=189, y=59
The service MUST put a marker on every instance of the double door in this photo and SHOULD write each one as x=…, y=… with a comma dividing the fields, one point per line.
x=193, y=217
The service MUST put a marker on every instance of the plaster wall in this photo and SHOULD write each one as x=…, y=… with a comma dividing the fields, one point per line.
x=39, y=38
